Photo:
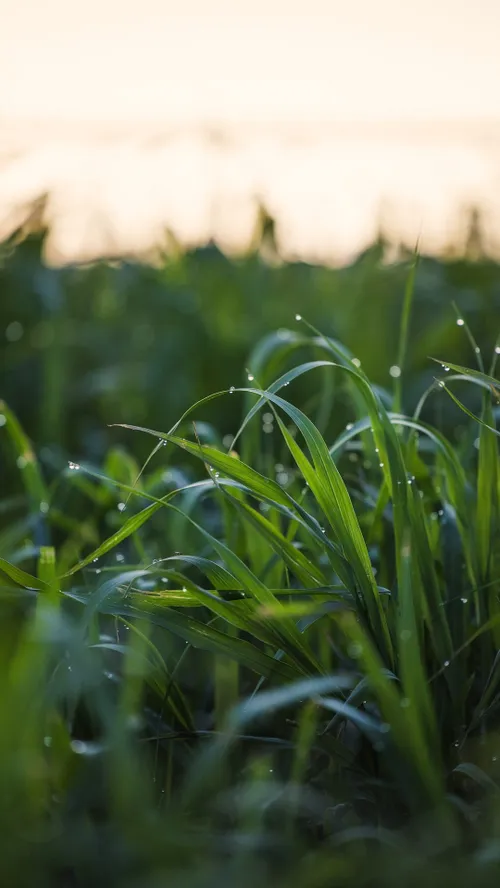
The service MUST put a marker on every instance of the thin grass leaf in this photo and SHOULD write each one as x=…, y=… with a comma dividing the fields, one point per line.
x=26, y=580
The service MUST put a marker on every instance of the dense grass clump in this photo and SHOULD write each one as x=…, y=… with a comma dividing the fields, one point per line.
x=273, y=658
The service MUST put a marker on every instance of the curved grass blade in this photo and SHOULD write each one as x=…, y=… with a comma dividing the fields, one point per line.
x=23, y=579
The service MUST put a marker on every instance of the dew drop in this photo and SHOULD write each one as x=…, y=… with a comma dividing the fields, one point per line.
x=395, y=371
x=14, y=331
x=121, y=507
x=232, y=389
x=250, y=377
x=355, y=650
x=73, y=466
x=460, y=322
x=120, y=558
x=44, y=508
x=298, y=317
x=3, y=420
x=381, y=465
x=283, y=333
x=497, y=349
x=446, y=664
x=356, y=362
x=464, y=600
x=349, y=426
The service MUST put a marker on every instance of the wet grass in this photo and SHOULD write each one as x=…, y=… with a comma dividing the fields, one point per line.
x=271, y=658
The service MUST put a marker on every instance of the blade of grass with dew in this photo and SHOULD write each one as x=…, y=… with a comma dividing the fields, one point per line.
x=476, y=376
x=198, y=451
x=288, y=635
x=259, y=486
x=420, y=714
x=329, y=490
x=406, y=730
x=387, y=446
x=26, y=460
x=487, y=490
x=404, y=330
x=242, y=615
x=427, y=597
x=465, y=410
x=109, y=598
x=302, y=567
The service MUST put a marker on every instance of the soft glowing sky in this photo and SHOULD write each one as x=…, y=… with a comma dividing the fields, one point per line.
x=151, y=64
x=161, y=60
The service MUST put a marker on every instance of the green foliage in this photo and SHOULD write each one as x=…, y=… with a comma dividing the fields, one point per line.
x=85, y=346
x=275, y=660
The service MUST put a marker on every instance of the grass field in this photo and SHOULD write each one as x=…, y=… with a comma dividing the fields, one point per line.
x=255, y=639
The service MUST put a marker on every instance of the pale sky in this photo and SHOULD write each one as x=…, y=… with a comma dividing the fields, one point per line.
x=232, y=60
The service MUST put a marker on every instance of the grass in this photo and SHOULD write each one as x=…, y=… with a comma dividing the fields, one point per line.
x=276, y=660
x=85, y=346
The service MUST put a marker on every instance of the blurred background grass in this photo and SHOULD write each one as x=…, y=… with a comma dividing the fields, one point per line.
x=84, y=346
